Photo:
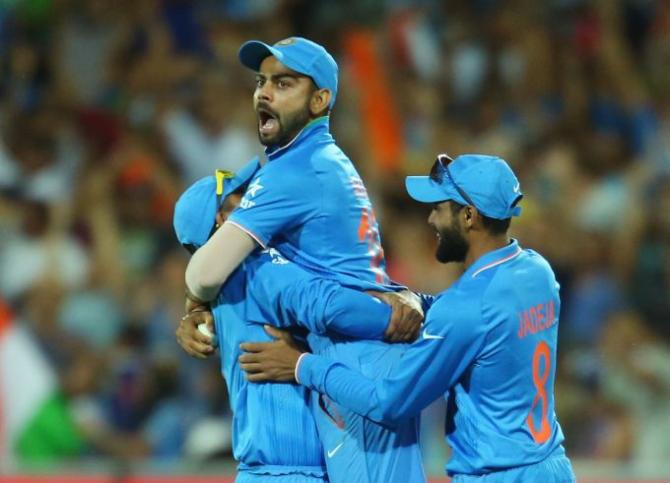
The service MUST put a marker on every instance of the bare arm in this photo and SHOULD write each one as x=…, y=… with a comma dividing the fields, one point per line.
x=213, y=263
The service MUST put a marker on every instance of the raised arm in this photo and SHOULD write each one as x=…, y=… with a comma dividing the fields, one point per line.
x=271, y=205
x=213, y=263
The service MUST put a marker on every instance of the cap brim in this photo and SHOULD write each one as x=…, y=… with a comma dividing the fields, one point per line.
x=253, y=52
x=194, y=212
x=425, y=190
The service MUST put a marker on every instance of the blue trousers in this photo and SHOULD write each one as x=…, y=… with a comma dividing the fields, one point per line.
x=555, y=469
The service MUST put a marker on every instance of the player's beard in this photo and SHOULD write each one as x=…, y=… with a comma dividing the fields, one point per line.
x=452, y=246
x=290, y=125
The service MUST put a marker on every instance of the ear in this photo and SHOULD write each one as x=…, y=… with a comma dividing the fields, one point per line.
x=469, y=216
x=319, y=101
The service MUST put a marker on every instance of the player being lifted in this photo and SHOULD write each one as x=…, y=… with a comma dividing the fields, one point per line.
x=309, y=202
x=267, y=288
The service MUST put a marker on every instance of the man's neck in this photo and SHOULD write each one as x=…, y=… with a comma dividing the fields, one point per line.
x=293, y=138
x=482, y=245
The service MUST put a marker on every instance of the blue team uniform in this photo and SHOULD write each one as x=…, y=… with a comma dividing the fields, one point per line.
x=501, y=423
x=309, y=202
x=274, y=432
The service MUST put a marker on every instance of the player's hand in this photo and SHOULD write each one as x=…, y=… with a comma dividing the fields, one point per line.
x=271, y=361
x=406, y=315
x=194, y=342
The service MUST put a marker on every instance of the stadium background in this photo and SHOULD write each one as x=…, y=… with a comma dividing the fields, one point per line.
x=108, y=109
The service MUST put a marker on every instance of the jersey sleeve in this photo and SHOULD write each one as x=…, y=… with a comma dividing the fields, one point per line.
x=275, y=202
x=427, y=369
x=284, y=294
x=426, y=300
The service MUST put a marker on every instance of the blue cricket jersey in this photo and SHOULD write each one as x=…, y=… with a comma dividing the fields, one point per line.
x=489, y=345
x=309, y=202
x=273, y=427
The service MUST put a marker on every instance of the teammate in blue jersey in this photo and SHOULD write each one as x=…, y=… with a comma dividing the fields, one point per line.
x=274, y=434
x=488, y=343
x=309, y=202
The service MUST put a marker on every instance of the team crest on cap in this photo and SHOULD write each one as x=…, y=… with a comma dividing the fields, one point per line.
x=288, y=41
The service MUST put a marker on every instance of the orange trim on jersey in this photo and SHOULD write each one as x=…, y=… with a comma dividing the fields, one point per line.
x=497, y=262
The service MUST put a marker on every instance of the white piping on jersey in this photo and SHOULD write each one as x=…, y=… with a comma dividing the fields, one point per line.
x=498, y=262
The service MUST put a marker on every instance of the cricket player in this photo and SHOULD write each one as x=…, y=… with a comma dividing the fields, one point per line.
x=488, y=343
x=274, y=434
x=309, y=202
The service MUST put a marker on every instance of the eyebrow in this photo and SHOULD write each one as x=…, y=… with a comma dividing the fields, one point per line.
x=275, y=77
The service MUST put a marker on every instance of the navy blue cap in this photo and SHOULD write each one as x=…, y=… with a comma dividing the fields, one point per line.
x=195, y=210
x=298, y=54
x=487, y=180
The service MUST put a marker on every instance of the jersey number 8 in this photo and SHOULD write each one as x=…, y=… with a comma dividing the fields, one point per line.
x=542, y=434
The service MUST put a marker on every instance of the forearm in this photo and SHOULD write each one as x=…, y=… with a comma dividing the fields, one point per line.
x=424, y=371
x=284, y=296
x=213, y=263
x=346, y=387
x=355, y=314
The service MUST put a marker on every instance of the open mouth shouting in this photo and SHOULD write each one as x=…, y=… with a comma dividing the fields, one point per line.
x=268, y=122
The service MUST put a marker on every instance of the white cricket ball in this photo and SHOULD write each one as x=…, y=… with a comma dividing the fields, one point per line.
x=203, y=329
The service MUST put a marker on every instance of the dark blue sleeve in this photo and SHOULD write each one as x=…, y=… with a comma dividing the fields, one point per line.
x=426, y=300
x=284, y=294
x=428, y=368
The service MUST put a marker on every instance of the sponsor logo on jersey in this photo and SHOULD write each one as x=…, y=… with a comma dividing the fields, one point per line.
x=277, y=258
x=252, y=191
x=426, y=335
x=254, y=188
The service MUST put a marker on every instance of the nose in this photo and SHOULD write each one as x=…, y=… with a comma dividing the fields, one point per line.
x=431, y=218
x=264, y=93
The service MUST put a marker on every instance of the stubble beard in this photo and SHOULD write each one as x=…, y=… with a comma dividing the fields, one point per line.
x=453, y=247
x=289, y=127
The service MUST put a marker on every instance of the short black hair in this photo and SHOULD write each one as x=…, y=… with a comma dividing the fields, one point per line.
x=493, y=225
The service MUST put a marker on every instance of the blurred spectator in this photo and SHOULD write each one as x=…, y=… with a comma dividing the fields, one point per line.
x=636, y=374
x=594, y=294
x=209, y=135
x=34, y=254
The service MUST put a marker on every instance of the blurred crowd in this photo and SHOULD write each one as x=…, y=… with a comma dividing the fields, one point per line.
x=110, y=108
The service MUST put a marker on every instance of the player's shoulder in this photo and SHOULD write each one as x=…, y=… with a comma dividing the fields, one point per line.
x=535, y=258
x=275, y=176
x=529, y=272
x=532, y=264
